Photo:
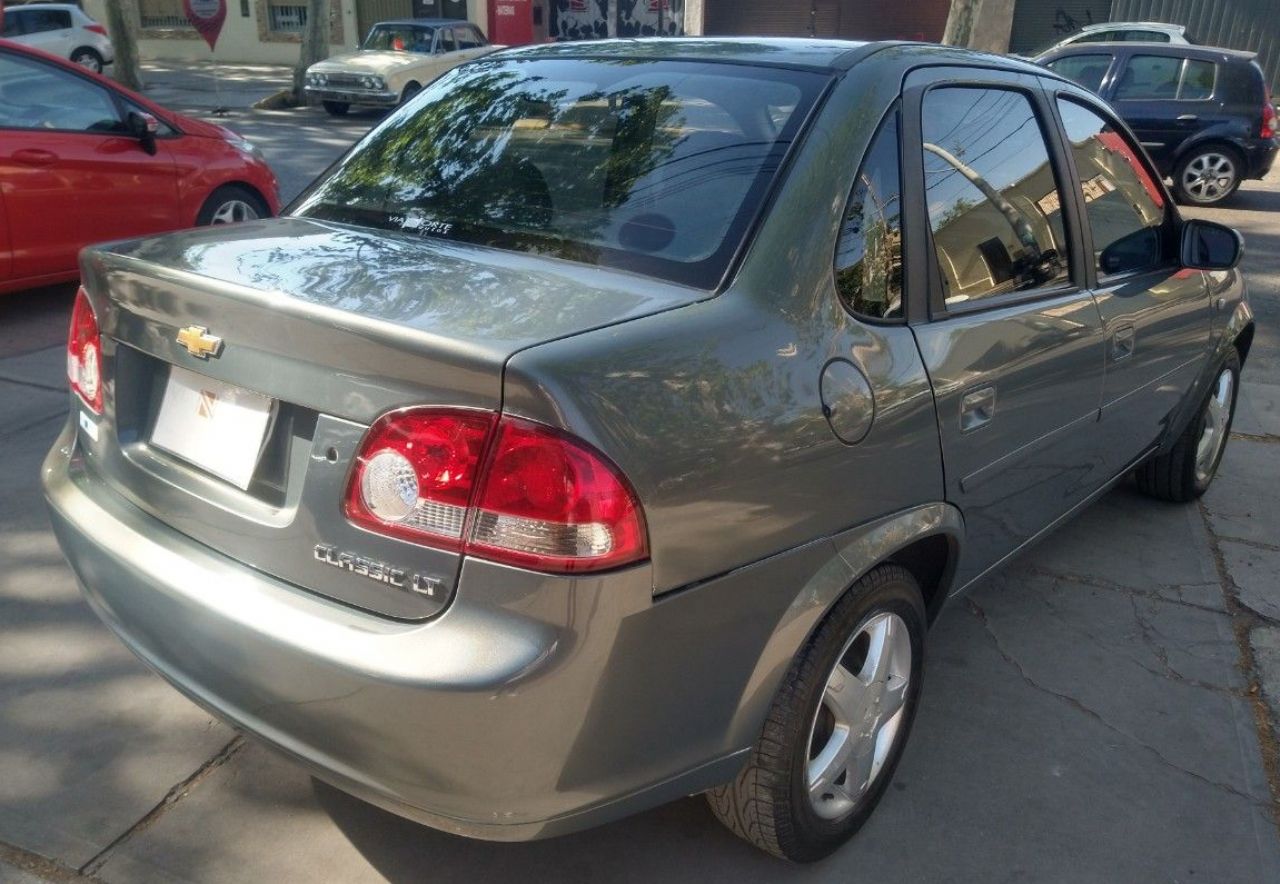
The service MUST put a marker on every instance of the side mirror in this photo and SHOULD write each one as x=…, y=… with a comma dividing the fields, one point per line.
x=1207, y=245
x=144, y=128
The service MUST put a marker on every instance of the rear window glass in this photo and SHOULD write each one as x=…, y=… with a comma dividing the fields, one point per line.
x=656, y=167
x=1087, y=70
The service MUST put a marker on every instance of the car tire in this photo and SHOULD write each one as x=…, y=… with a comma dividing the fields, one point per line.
x=790, y=799
x=336, y=108
x=1208, y=175
x=230, y=204
x=88, y=58
x=410, y=90
x=1187, y=469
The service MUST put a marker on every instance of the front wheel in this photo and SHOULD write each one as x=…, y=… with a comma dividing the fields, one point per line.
x=231, y=204
x=410, y=92
x=1207, y=176
x=336, y=108
x=837, y=726
x=1186, y=471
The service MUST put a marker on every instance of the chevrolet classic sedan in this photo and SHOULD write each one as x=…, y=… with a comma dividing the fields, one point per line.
x=612, y=422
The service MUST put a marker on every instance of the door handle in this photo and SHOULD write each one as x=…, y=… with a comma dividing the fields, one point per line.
x=1122, y=342
x=977, y=408
x=1187, y=118
x=34, y=157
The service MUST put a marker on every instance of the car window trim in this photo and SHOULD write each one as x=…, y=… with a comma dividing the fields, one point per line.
x=1182, y=69
x=895, y=109
x=1097, y=278
x=1050, y=128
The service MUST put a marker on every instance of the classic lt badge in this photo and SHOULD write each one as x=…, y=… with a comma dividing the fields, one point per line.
x=379, y=571
x=199, y=342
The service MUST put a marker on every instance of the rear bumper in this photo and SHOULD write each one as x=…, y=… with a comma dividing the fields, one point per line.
x=1260, y=156
x=532, y=706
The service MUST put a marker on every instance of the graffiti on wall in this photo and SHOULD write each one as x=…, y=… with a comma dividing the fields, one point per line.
x=588, y=19
x=1065, y=23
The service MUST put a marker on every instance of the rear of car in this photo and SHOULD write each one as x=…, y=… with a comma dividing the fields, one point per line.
x=60, y=29
x=1203, y=114
x=296, y=484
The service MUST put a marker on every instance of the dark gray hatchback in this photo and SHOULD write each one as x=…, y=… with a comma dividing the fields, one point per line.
x=612, y=421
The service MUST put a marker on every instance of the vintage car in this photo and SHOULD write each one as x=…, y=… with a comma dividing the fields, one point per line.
x=611, y=423
x=395, y=61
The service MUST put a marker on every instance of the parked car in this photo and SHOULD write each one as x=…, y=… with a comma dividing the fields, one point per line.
x=395, y=61
x=61, y=29
x=1203, y=114
x=1123, y=32
x=568, y=449
x=83, y=160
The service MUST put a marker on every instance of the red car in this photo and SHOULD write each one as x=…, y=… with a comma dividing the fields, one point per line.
x=83, y=160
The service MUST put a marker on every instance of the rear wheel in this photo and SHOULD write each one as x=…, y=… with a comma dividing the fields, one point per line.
x=231, y=204
x=837, y=726
x=1187, y=470
x=1208, y=175
x=87, y=58
x=337, y=108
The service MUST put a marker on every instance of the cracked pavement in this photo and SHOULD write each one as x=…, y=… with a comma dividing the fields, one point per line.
x=1104, y=709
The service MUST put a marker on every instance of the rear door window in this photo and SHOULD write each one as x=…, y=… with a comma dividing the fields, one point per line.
x=1145, y=37
x=869, y=255
x=1198, y=78
x=1146, y=77
x=993, y=198
x=1124, y=204
x=652, y=166
x=1087, y=70
x=447, y=42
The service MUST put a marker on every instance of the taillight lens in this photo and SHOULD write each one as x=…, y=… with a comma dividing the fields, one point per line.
x=84, y=354
x=550, y=503
x=510, y=491
x=97, y=29
x=1268, y=119
x=416, y=472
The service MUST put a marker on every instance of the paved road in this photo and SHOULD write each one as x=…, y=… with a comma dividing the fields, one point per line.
x=1091, y=714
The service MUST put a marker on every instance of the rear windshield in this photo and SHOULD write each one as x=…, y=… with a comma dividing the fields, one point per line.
x=656, y=166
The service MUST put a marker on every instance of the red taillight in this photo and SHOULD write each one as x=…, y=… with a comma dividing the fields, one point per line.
x=510, y=491
x=1268, y=118
x=96, y=28
x=84, y=354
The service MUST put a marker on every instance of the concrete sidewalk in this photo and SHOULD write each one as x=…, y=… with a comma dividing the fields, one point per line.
x=192, y=86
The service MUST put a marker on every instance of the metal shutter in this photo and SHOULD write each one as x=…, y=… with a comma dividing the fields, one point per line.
x=772, y=18
x=370, y=12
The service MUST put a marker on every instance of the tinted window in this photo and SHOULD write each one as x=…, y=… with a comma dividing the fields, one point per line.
x=1145, y=37
x=1087, y=70
x=13, y=23
x=1197, y=80
x=1124, y=204
x=993, y=200
x=1149, y=76
x=469, y=38
x=37, y=96
x=652, y=166
x=869, y=256
x=47, y=20
x=447, y=43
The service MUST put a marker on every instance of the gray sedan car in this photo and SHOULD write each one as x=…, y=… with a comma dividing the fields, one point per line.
x=610, y=424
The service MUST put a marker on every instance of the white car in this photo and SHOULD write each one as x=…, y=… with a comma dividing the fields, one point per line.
x=395, y=61
x=1122, y=32
x=61, y=29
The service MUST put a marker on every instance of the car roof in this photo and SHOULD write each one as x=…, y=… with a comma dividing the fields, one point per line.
x=1148, y=25
x=432, y=22
x=1206, y=53
x=789, y=52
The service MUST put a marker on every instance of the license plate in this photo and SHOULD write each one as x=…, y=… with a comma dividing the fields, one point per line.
x=214, y=425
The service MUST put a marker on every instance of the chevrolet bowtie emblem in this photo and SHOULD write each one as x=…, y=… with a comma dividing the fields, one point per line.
x=199, y=342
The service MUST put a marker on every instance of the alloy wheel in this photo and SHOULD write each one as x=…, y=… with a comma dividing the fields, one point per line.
x=233, y=211
x=860, y=717
x=1209, y=177
x=1217, y=421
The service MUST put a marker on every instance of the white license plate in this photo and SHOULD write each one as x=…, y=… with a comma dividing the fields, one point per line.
x=214, y=425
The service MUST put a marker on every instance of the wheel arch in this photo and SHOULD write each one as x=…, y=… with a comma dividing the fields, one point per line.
x=926, y=540
x=1208, y=138
x=233, y=182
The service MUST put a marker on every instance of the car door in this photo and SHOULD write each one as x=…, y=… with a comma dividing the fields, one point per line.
x=1014, y=341
x=1156, y=314
x=69, y=174
x=6, y=248
x=1164, y=99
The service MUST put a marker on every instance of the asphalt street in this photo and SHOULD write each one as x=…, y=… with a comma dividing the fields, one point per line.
x=1102, y=710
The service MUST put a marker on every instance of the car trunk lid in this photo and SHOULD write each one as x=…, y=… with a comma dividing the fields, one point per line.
x=337, y=326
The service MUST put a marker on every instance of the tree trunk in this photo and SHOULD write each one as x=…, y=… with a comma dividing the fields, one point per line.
x=611, y=23
x=122, y=17
x=315, y=44
x=960, y=21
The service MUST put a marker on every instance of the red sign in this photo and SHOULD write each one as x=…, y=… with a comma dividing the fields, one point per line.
x=511, y=22
x=206, y=16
